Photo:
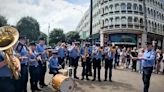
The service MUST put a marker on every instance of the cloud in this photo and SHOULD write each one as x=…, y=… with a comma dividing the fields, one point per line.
x=58, y=13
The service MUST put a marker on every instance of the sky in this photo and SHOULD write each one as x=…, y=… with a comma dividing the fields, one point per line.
x=64, y=14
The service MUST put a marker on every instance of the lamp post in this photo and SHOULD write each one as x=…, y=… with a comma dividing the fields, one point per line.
x=48, y=38
x=91, y=12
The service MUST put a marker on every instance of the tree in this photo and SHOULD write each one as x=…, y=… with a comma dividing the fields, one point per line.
x=72, y=35
x=3, y=21
x=56, y=35
x=29, y=27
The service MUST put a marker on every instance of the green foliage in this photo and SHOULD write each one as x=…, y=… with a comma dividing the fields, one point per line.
x=56, y=35
x=3, y=21
x=72, y=35
x=29, y=27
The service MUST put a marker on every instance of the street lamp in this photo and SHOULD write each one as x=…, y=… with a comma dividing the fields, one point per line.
x=91, y=12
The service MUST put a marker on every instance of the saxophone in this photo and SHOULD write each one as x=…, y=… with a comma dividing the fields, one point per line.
x=8, y=38
x=86, y=55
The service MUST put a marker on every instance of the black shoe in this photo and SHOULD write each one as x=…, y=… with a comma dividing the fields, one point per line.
x=82, y=78
x=76, y=77
x=99, y=80
x=33, y=91
x=45, y=85
x=37, y=89
x=93, y=80
x=87, y=78
x=41, y=86
x=110, y=80
x=105, y=80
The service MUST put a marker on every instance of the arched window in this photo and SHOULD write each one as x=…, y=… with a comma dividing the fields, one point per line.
x=129, y=19
x=117, y=20
x=152, y=14
x=123, y=6
x=111, y=8
x=106, y=22
x=141, y=21
x=103, y=11
x=140, y=8
x=102, y=23
x=148, y=11
x=135, y=20
x=111, y=21
x=117, y=8
x=129, y=6
x=135, y=7
x=123, y=20
x=106, y=9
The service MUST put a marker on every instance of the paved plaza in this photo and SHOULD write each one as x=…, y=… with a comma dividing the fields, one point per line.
x=123, y=81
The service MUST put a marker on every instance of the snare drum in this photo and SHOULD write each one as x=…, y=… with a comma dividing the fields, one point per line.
x=63, y=83
x=63, y=72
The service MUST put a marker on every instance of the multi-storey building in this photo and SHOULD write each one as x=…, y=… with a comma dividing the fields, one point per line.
x=125, y=22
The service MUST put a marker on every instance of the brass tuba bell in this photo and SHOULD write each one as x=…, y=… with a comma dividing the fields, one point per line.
x=8, y=38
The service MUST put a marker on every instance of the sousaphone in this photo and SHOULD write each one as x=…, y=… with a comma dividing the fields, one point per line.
x=8, y=38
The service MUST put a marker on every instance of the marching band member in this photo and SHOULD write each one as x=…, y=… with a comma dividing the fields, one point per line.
x=22, y=50
x=7, y=83
x=84, y=52
x=61, y=55
x=54, y=65
x=74, y=56
x=40, y=48
x=89, y=59
x=34, y=67
x=109, y=57
x=97, y=56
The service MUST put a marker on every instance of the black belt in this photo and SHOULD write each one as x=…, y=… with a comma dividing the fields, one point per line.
x=8, y=77
x=23, y=64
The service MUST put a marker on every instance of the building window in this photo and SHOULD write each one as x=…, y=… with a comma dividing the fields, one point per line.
x=111, y=22
x=129, y=6
x=106, y=9
x=117, y=8
x=129, y=19
x=123, y=6
x=117, y=20
x=111, y=8
x=135, y=7
x=135, y=20
x=123, y=20
x=140, y=8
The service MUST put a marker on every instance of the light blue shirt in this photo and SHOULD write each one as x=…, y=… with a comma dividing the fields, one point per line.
x=4, y=71
x=149, y=58
x=53, y=63
x=74, y=53
x=61, y=52
x=32, y=59
x=98, y=55
x=40, y=49
x=24, y=53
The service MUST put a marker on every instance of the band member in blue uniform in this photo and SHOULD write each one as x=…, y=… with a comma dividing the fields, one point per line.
x=6, y=76
x=74, y=56
x=109, y=57
x=97, y=57
x=84, y=52
x=22, y=50
x=54, y=65
x=34, y=67
x=148, y=61
x=61, y=55
x=89, y=59
x=40, y=48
